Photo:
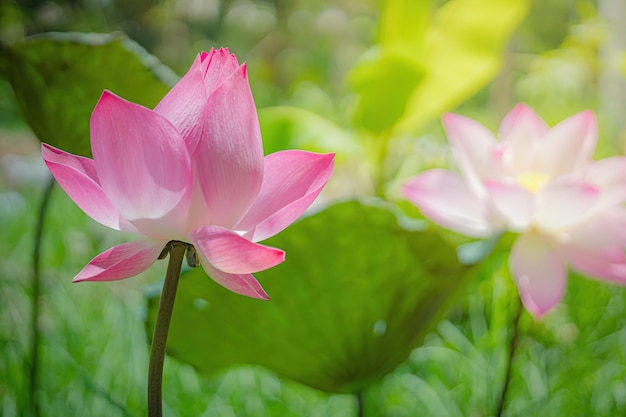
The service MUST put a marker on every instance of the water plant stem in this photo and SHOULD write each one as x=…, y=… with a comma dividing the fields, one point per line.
x=36, y=293
x=176, y=252
x=509, y=365
x=359, y=404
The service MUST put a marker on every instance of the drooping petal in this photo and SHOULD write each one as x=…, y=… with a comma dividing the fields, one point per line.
x=474, y=148
x=540, y=273
x=218, y=65
x=447, y=200
x=143, y=166
x=607, y=263
x=229, y=158
x=122, y=261
x=78, y=178
x=231, y=253
x=514, y=203
x=291, y=181
x=563, y=202
x=568, y=146
x=184, y=105
x=521, y=132
x=244, y=284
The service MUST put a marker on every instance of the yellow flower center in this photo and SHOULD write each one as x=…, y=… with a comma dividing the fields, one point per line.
x=532, y=181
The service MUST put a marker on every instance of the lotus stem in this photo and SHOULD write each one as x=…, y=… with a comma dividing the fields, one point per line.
x=176, y=251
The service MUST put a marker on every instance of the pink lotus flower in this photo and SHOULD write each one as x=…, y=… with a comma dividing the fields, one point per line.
x=192, y=170
x=539, y=182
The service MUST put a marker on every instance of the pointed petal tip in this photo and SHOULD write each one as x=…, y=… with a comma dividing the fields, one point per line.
x=535, y=311
x=521, y=108
x=47, y=151
x=106, y=99
x=587, y=118
x=450, y=118
x=263, y=296
x=538, y=311
x=106, y=95
x=233, y=254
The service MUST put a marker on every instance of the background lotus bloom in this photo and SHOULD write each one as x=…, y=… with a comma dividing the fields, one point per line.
x=539, y=182
x=192, y=170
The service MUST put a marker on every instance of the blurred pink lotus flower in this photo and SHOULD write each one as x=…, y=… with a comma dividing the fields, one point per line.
x=192, y=170
x=541, y=183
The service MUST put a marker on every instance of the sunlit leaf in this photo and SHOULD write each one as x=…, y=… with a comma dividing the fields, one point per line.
x=428, y=62
x=464, y=47
x=294, y=128
x=58, y=77
x=403, y=26
x=356, y=294
x=384, y=83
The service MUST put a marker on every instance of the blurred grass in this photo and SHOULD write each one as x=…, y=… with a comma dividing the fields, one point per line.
x=94, y=346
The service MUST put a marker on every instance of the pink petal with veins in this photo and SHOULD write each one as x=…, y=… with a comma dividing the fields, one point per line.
x=244, y=284
x=217, y=66
x=143, y=166
x=78, y=178
x=122, y=261
x=184, y=105
x=233, y=254
x=229, y=157
x=291, y=181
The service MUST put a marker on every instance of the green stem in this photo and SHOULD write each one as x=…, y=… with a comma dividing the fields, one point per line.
x=177, y=251
x=509, y=365
x=381, y=145
x=36, y=289
x=359, y=404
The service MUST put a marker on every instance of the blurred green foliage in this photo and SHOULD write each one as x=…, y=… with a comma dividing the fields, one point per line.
x=428, y=62
x=417, y=59
x=57, y=78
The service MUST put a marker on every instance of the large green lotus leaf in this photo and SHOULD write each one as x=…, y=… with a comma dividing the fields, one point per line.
x=357, y=292
x=293, y=128
x=59, y=77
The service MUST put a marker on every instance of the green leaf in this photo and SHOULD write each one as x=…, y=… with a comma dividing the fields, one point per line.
x=58, y=78
x=384, y=83
x=429, y=62
x=464, y=48
x=293, y=128
x=357, y=293
x=403, y=26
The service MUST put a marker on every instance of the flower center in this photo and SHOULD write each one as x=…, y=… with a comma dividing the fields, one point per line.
x=532, y=181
